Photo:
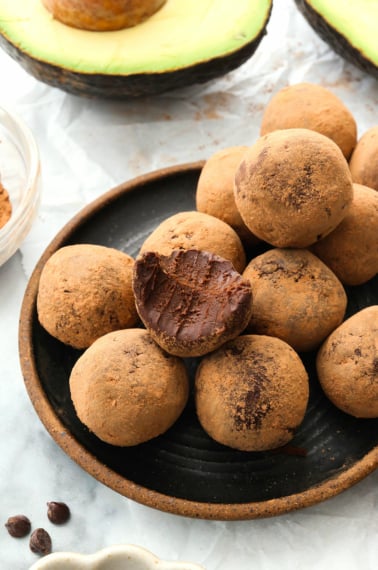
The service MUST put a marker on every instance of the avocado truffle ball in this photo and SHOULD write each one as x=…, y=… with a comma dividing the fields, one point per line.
x=196, y=230
x=351, y=250
x=347, y=364
x=126, y=389
x=191, y=301
x=364, y=160
x=85, y=291
x=252, y=393
x=215, y=190
x=311, y=106
x=293, y=187
x=296, y=297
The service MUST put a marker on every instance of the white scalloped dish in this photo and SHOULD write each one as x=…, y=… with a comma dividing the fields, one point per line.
x=119, y=557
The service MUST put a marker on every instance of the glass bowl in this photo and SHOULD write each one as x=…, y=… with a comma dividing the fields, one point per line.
x=20, y=176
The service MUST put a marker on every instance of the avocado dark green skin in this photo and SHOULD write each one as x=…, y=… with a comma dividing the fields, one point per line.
x=336, y=40
x=130, y=86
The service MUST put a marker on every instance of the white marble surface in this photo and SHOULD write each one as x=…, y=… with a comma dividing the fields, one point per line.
x=86, y=148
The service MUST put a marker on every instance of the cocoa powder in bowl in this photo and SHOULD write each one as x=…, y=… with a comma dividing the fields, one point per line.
x=5, y=206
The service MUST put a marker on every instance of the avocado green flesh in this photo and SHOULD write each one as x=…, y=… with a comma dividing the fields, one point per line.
x=356, y=20
x=181, y=34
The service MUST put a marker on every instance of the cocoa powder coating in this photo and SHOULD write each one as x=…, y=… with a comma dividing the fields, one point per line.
x=196, y=230
x=310, y=106
x=126, y=389
x=351, y=250
x=293, y=187
x=363, y=163
x=347, y=364
x=85, y=291
x=215, y=190
x=296, y=297
x=252, y=393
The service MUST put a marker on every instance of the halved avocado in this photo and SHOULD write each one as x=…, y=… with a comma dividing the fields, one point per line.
x=185, y=42
x=350, y=27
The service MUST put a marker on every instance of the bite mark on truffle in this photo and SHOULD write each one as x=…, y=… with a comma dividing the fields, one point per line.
x=190, y=298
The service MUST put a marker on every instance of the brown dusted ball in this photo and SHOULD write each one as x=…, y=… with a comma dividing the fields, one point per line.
x=215, y=190
x=311, y=106
x=363, y=163
x=252, y=393
x=85, y=291
x=126, y=389
x=351, y=250
x=293, y=187
x=347, y=364
x=296, y=297
x=196, y=230
x=191, y=302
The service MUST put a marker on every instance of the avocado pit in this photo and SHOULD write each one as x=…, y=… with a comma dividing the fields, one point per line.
x=102, y=15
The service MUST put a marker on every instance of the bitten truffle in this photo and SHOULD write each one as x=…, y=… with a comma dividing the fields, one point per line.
x=364, y=160
x=215, y=190
x=85, y=291
x=351, y=250
x=191, y=301
x=293, y=187
x=196, y=230
x=126, y=389
x=296, y=297
x=311, y=106
x=347, y=364
x=252, y=393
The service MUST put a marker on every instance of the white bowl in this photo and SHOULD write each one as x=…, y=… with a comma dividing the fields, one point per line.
x=20, y=176
x=119, y=557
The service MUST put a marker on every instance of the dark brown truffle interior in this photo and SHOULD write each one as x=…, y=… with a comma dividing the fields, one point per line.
x=189, y=294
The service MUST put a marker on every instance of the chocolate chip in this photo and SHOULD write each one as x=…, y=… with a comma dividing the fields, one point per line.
x=40, y=542
x=18, y=526
x=58, y=513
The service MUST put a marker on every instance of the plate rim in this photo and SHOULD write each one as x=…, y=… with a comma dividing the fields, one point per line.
x=91, y=464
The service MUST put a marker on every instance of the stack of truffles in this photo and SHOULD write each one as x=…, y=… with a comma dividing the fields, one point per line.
x=247, y=283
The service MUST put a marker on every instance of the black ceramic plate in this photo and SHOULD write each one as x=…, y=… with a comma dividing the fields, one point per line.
x=184, y=471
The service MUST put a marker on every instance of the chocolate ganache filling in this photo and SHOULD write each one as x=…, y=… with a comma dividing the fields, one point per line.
x=191, y=297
